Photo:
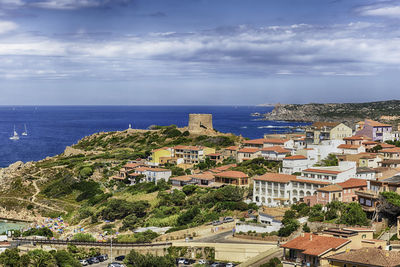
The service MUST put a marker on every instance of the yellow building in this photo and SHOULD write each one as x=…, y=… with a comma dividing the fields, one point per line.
x=320, y=131
x=159, y=153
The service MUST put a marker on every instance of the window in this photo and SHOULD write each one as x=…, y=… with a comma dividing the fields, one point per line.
x=364, y=236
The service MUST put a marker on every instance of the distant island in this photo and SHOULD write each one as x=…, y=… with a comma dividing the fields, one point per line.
x=388, y=111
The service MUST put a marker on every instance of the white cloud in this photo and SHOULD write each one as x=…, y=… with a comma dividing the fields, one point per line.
x=389, y=9
x=7, y=26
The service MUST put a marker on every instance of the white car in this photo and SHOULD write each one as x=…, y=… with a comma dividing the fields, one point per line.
x=84, y=262
x=229, y=264
x=181, y=261
x=202, y=262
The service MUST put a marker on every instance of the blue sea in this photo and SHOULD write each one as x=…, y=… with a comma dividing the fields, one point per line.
x=52, y=128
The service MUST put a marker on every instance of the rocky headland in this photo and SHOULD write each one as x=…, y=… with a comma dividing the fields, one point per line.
x=388, y=111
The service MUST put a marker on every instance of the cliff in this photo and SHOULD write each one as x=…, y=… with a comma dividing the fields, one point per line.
x=344, y=112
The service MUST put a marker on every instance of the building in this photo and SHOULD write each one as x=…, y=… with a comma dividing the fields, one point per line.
x=320, y=131
x=334, y=174
x=248, y=154
x=365, y=173
x=158, y=154
x=312, y=250
x=151, y=174
x=230, y=152
x=391, y=157
x=275, y=153
x=365, y=257
x=217, y=157
x=375, y=130
x=232, y=178
x=353, y=145
x=192, y=154
x=295, y=164
x=275, y=189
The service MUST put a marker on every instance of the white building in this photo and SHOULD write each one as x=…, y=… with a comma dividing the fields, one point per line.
x=154, y=174
x=365, y=173
x=327, y=147
x=274, y=153
x=274, y=189
x=351, y=149
x=296, y=163
x=334, y=174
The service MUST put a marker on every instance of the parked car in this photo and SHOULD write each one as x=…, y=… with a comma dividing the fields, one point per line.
x=84, y=262
x=228, y=219
x=120, y=258
x=202, y=261
x=229, y=264
x=92, y=260
x=216, y=264
x=115, y=264
x=102, y=258
x=216, y=223
x=181, y=260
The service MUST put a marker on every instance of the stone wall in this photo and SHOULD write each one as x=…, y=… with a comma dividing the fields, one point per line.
x=200, y=123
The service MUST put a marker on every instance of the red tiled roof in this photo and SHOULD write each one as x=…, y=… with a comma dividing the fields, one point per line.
x=315, y=245
x=384, y=145
x=223, y=168
x=356, y=137
x=353, y=182
x=254, y=141
x=276, y=177
x=161, y=148
x=203, y=176
x=296, y=157
x=348, y=146
x=322, y=124
x=183, y=178
x=275, y=141
x=391, y=150
x=312, y=181
x=322, y=171
x=377, y=123
x=370, y=143
x=331, y=188
x=232, y=148
x=248, y=150
x=277, y=149
x=131, y=165
x=214, y=154
x=232, y=174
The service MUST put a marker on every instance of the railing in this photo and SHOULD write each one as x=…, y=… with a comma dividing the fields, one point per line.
x=90, y=243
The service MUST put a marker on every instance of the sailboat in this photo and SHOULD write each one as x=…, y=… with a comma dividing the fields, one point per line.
x=15, y=136
x=25, y=133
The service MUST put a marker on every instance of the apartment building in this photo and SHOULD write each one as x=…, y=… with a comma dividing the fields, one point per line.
x=375, y=130
x=321, y=131
x=192, y=154
x=296, y=163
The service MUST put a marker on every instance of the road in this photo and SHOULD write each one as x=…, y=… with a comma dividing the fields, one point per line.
x=224, y=238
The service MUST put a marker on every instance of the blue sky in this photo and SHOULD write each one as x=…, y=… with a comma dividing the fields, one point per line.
x=239, y=52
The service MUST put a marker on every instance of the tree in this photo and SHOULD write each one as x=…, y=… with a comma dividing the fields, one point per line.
x=135, y=259
x=10, y=258
x=65, y=259
x=130, y=222
x=187, y=217
x=353, y=215
x=306, y=228
x=41, y=258
x=189, y=189
x=330, y=160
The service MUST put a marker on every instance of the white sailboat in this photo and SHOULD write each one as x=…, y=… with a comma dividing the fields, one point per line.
x=15, y=136
x=25, y=133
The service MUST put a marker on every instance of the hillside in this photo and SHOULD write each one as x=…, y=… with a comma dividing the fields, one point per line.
x=344, y=112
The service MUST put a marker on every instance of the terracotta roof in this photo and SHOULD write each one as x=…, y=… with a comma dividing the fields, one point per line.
x=188, y=147
x=161, y=148
x=248, y=150
x=369, y=256
x=254, y=141
x=356, y=137
x=223, y=168
x=370, y=143
x=275, y=141
x=214, y=154
x=276, y=177
x=232, y=174
x=183, y=178
x=143, y=169
x=353, y=182
x=315, y=245
x=384, y=145
x=331, y=188
x=348, y=146
x=377, y=123
x=359, y=229
x=232, y=148
x=391, y=150
x=322, y=124
x=203, y=176
x=131, y=165
x=277, y=149
x=321, y=171
x=296, y=157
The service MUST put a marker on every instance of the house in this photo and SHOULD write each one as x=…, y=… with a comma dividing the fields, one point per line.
x=359, y=236
x=350, y=187
x=254, y=143
x=276, y=153
x=156, y=154
x=203, y=179
x=334, y=174
x=326, y=147
x=375, y=130
x=312, y=250
x=353, y=145
x=192, y=154
x=152, y=174
x=265, y=224
x=320, y=131
x=365, y=173
x=230, y=152
x=275, y=189
x=248, y=154
x=232, y=178
x=217, y=157
x=369, y=160
x=293, y=164
x=180, y=181
x=365, y=257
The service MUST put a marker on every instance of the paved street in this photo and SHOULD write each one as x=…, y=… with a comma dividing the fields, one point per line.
x=226, y=237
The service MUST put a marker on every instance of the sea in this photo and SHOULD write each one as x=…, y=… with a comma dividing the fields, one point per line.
x=51, y=128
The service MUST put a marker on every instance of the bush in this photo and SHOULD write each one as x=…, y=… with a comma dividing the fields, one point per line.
x=136, y=259
x=38, y=232
x=85, y=172
x=83, y=237
x=119, y=209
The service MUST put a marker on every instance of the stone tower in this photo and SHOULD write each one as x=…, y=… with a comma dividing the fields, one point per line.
x=200, y=123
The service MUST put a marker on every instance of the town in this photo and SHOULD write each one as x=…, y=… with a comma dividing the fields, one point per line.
x=327, y=196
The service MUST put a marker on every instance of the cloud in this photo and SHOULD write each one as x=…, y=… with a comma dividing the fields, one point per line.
x=61, y=4
x=7, y=26
x=354, y=49
x=389, y=9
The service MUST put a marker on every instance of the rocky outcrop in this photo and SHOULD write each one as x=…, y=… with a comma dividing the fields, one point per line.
x=12, y=171
x=343, y=112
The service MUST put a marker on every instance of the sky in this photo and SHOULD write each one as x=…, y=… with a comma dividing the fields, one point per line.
x=198, y=52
